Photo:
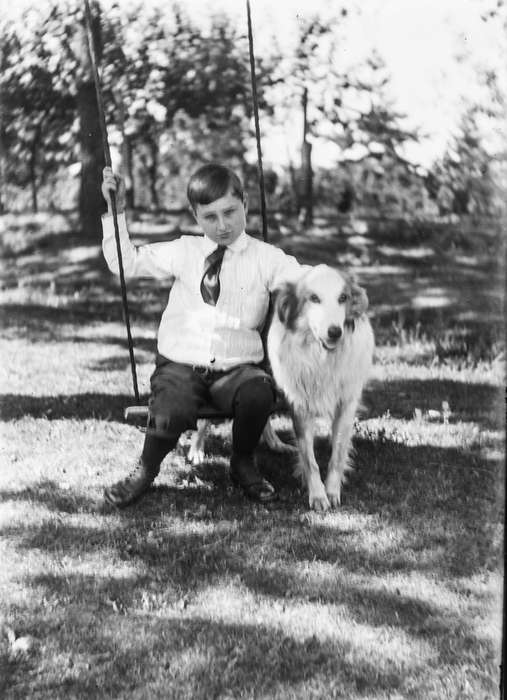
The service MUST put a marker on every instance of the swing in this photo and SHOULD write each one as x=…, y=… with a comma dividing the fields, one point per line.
x=138, y=414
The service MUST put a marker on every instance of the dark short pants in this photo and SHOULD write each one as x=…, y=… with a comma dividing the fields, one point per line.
x=179, y=391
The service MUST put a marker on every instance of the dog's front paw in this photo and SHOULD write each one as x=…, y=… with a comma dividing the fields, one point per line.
x=318, y=498
x=335, y=499
x=334, y=489
x=195, y=455
x=319, y=504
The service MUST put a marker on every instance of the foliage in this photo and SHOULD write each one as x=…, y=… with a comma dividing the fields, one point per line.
x=342, y=103
x=37, y=117
x=172, y=90
x=463, y=181
x=361, y=114
x=178, y=93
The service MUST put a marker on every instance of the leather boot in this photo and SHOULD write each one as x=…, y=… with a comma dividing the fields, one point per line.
x=246, y=475
x=135, y=484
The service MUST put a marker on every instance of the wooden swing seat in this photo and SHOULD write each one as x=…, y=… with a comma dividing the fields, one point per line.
x=138, y=415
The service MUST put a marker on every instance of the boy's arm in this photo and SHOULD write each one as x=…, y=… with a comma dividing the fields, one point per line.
x=128, y=250
x=157, y=260
x=283, y=268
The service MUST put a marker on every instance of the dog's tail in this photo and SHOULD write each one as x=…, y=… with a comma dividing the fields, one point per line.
x=273, y=441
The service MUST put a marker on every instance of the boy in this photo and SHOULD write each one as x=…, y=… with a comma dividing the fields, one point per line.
x=209, y=346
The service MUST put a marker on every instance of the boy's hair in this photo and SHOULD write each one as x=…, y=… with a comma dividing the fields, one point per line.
x=211, y=182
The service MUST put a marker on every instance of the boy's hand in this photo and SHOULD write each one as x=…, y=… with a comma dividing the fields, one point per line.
x=113, y=183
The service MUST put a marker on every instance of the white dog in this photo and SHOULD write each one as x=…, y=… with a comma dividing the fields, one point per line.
x=320, y=346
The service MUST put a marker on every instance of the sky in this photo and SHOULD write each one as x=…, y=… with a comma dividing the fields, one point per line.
x=420, y=41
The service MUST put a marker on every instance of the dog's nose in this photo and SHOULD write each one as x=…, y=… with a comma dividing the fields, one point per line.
x=334, y=332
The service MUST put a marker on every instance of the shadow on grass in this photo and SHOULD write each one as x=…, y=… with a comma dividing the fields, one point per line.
x=48, y=493
x=191, y=656
x=41, y=318
x=201, y=658
x=122, y=362
x=108, y=407
x=472, y=284
x=481, y=403
x=442, y=506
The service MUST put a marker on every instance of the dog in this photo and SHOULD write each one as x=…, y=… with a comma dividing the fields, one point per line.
x=320, y=347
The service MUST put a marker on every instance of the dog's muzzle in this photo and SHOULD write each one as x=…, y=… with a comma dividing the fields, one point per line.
x=334, y=333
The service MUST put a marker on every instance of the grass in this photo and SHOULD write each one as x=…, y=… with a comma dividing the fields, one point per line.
x=197, y=593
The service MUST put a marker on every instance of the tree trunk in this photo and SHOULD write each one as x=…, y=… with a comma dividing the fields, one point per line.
x=32, y=167
x=33, y=188
x=2, y=181
x=294, y=187
x=2, y=159
x=91, y=202
x=152, y=172
x=126, y=155
x=306, y=176
x=128, y=172
x=307, y=183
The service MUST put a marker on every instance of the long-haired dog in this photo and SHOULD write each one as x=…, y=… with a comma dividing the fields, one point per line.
x=320, y=346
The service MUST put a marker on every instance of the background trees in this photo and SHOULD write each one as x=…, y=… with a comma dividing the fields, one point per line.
x=175, y=94
x=470, y=177
x=36, y=117
x=178, y=93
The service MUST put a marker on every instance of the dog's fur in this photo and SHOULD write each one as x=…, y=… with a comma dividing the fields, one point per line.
x=320, y=346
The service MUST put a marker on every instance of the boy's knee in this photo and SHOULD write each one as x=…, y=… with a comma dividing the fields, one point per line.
x=166, y=427
x=168, y=420
x=255, y=395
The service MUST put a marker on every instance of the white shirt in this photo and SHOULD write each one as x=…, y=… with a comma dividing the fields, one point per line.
x=191, y=331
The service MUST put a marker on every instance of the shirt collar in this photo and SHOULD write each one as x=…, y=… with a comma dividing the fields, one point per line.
x=239, y=244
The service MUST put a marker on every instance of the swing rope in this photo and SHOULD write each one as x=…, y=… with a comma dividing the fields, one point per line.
x=107, y=160
x=140, y=411
x=255, y=103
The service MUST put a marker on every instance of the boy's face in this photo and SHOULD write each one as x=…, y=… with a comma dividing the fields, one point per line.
x=222, y=220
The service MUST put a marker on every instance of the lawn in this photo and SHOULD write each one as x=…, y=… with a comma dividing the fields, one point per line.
x=196, y=592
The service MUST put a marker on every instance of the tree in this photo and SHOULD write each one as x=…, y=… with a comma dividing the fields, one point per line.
x=34, y=116
x=310, y=34
x=48, y=90
x=91, y=204
x=462, y=181
x=191, y=99
x=341, y=103
x=172, y=92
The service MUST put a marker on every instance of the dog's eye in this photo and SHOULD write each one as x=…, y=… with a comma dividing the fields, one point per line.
x=342, y=298
x=314, y=298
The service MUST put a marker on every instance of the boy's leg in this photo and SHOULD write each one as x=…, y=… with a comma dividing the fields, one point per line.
x=248, y=394
x=176, y=394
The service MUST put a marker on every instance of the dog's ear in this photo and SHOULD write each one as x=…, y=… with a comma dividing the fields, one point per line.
x=358, y=302
x=286, y=304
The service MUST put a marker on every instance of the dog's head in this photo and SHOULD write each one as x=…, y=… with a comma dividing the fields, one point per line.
x=322, y=304
x=288, y=304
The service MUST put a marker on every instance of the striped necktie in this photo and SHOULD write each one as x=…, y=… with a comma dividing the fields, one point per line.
x=210, y=283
